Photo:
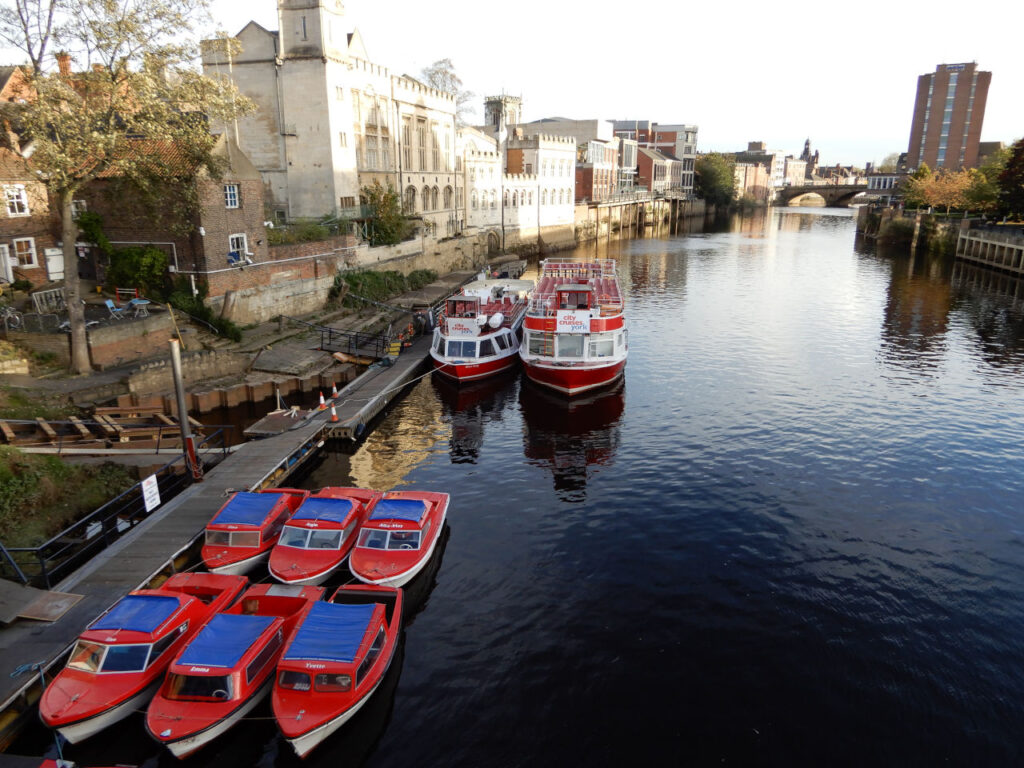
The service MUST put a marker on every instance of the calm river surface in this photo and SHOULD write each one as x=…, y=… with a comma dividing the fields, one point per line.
x=793, y=536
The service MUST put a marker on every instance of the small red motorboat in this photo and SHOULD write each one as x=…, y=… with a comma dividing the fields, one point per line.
x=398, y=537
x=228, y=668
x=335, y=661
x=320, y=535
x=242, y=533
x=120, y=659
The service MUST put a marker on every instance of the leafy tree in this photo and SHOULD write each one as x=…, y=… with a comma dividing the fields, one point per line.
x=915, y=186
x=1011, y=183
x=983, y=192
x=714, y=179
x=441, y=75
x=890, y=164
x=388, y=225
x=138, y=81
x=948, y=189
x=140, y=267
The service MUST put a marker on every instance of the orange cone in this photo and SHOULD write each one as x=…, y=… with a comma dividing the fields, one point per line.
x=322, y=405
x=334, y=390
x=334, y=414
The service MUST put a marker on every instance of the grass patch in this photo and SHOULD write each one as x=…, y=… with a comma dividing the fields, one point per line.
x=23, y=404
x=41, y=495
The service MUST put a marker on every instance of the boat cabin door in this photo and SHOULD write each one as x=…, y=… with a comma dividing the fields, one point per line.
x=574, y=297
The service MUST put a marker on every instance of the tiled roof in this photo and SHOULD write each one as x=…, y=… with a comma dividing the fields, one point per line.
x=170, y=157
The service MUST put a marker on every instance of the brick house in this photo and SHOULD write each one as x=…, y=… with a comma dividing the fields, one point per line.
x=27, y=225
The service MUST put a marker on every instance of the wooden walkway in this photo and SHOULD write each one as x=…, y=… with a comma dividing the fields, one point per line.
x=163, y=540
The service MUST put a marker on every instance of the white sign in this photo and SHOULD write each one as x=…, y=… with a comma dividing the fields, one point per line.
x=151, y=493
x=572, y=321
x=462, y=326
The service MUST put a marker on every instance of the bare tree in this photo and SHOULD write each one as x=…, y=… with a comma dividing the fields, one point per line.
x=441, y=75
x=136, y=92
x=28, y=26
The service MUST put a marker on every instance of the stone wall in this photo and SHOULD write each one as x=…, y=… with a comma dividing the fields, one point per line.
x=126, y=341
x=156, y=378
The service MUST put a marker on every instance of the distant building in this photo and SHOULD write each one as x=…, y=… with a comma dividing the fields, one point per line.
x=26, y=224
x=986, y=149
x=753, y=182
x=812, y=160
x=653, y=171
x=773, y=159
x=675, y=140
x=795, y=171
x=597, y=152
x=948, y=115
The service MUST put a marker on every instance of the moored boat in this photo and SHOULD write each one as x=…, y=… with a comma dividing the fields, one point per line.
x=120, y=658
x=479, y=330
x=575, y=336
x=228, y=668
x=398, y=537
x=335, y=661
x=244, y=530
x=319, y=536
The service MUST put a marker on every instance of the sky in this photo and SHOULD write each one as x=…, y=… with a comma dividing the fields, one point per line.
x=842, y=75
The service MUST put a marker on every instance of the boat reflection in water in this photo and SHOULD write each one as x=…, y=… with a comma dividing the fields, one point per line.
x=469, y=406
x=571, y=435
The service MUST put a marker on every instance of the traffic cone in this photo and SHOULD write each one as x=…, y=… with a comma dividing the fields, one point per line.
x=334, y=414
x=323, y=405
x=334, y=390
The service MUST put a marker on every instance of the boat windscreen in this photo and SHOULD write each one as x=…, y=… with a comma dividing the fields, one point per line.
x=138, y=613
x=333, y=510
x=246, y=509
x=399, y=509
x=224, y=641
x=331, y=632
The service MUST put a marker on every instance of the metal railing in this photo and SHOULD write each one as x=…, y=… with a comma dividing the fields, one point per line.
x=53, y=560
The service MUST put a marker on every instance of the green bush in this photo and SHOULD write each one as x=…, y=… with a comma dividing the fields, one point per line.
x=195, y=305
x=378, y=286
x=142, y=267
x=22, y=285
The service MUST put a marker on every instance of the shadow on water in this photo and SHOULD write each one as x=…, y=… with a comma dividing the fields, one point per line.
x=469, y=407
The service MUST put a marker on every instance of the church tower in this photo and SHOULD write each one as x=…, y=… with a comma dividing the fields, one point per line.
x=312, y=29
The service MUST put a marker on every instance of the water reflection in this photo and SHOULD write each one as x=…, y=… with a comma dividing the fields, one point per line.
x=915, y=320
x=571, y=436
x=992, y=304
x=469, y=407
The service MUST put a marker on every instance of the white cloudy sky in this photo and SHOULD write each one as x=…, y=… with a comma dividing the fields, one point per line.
x=843, y=75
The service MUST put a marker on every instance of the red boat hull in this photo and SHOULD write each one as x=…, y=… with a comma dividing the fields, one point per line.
x=573, y=380
x=474, y=371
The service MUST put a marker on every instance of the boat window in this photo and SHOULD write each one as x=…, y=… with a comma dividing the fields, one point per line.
x=541, y=343
x=217, y=687
x=268, y=654
x=293, y=681
x=86, y=656
x=126, y=658
x=165, y=642
x=371, y=655
x=333, y=683
x=373, y=538
x=439, y=344
x=218, y=538
x=348, y=530
x=486, y=348
x=502, y=340
x=570, y=345
x=461, y=349
x=602, y=345
x=404, y=540
x=325, y=540
x=275, y=527
x=294, y=537
x=245, y=538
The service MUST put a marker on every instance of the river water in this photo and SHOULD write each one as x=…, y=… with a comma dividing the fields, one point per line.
x=791, y=536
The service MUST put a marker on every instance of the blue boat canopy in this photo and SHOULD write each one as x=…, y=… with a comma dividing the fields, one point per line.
x=331, y=632
x=333, y=510
x=247, y=509
x=399, y=509
x=138, y=613
x=223, y=641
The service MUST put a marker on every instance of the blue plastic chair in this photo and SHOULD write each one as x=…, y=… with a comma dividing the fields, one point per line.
x=116, y=312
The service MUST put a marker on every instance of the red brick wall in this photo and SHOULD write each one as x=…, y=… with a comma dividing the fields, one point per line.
x=220, y=222
x=40, y=224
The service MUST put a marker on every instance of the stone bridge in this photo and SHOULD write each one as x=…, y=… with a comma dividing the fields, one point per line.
x=835, y=195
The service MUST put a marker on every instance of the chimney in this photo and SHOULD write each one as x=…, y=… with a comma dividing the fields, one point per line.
x=64, y=63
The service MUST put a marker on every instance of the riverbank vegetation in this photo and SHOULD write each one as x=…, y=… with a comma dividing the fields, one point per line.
x=351, y=287
x=715, y=179
x=41, y=495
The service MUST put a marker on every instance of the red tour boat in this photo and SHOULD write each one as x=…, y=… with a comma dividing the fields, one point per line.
x=320, y=535
x=120, y=659
x=335, y=661
x=242, y=533
x=575, y=331
x=227, y=668
x=398, y=537
x=479, y=330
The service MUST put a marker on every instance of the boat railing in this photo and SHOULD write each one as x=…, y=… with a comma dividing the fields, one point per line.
x=546, y=305
x=575, y=269
x=50, y=562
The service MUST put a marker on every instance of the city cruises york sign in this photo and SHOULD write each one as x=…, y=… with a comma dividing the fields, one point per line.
x=462, y=326
x=572, y=321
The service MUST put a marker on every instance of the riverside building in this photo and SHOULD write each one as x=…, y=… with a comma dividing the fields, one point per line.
x=948, y=114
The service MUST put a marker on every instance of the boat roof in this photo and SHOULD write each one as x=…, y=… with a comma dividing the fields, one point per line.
x=318, y=508
x=574, y=287
x=224, y=640
x=331, y=632
x=138, y=613
x=246, y=509
x=399, y=509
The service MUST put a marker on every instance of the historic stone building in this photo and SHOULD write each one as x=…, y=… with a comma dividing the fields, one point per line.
x=330, y=122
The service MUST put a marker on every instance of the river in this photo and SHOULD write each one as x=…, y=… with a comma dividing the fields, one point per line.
x=791, y=536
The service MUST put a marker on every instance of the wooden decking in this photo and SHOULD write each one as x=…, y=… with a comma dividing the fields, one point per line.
x=161, y=543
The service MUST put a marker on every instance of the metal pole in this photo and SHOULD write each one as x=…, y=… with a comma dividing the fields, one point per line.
x=187, y=444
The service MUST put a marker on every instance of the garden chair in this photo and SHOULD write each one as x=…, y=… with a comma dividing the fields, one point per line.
x=116, y=312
